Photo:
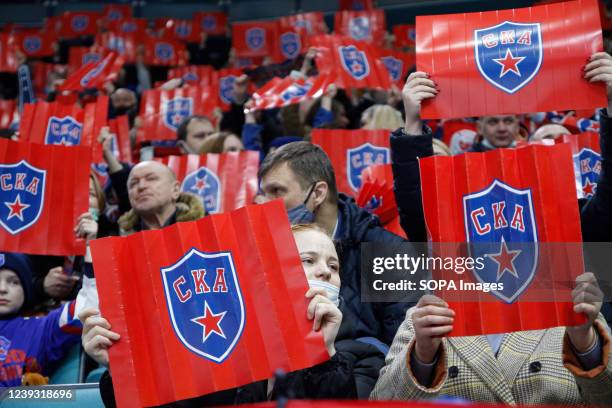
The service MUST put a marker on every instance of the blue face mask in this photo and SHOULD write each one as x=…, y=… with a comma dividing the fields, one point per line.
x=301, y=214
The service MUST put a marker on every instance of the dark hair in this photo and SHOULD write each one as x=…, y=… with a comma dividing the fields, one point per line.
x=181, y=132
x=309, y=163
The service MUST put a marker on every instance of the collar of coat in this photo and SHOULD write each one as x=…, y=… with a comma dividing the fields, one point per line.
x=188, y=208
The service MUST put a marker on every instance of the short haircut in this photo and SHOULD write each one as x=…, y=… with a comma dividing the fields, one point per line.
x=181, y=131
x=309, y=163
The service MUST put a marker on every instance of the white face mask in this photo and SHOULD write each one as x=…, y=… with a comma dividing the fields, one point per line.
x=333, y=292
x=95, y=213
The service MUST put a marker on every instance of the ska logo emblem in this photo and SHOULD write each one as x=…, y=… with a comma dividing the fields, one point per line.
x=360, y=157
x=116, y=44
x=5, y=345
x=164, y=51
x=500, y=227
x=509, y=55
x=128, y=27
x=176, y=110
x=209, y=23
x=255, y=38
x=587, y=164
x=32, y=44
x=79, y=23
x=191, y=77
x=205, y=303
x=93, y=73
x=183, y=30
x=359, y=28
x=295, y=91
x=22, y=194
x=290, y=45
x=587, y=125
x=354, y=61
x=226, y=85
x=114, y=15
x=205, y=183
x=394, y=66
x=90, y=57
x=63, y=131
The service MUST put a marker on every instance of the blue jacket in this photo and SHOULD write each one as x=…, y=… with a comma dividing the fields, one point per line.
x=34, y=344
x=356, y=225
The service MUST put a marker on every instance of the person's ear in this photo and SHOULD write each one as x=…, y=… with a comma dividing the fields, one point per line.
x=176, y=191
x=184, y=147
x=319, y=193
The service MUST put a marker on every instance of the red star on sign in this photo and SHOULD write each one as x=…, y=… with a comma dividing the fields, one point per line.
x=16, y=208
x=588, y=189
x=176, y=119
x=509, y=63
x=201, y=184
x=210, y=322
x=356, y=67
x=505, y=260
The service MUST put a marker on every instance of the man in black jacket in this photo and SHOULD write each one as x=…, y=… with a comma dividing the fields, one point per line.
x=302, y=175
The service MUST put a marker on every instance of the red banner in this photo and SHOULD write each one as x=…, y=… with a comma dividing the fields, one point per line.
x=225, y=181
x=586, y=152
x=163, y=111
x=278, y=92
x=94, y=74
x=79, y=56
x=353, y=64
x=510, y=61
x=8, y=113
x=193, y=74
x=305, y=23
x=132, y=26
x=44, y=190
x=289, y=43
x=185, y=332
x=254, y=39
x=211, y=22
x=351, y=152
x=405, y=35
x=56, y=123
x=180, y=30
x=35, y=43
x=506, y=205
x=369, y=26
x=377, y=197
x=164, y=52
x=7, y=54
x=116, y=12
x=397, y=64
x=223, y=83
x=78, y=23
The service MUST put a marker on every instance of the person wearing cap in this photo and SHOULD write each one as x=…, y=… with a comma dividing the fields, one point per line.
x=34, y=344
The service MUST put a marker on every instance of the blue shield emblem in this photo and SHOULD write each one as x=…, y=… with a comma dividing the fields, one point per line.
x=509, y=54
x=226, y=85
x=290, y=45
x=209, y=23
x=176, y=110
x=90, y=57
x=205, y=303
x=587, y=166
x=500, y=227
x=32, y=44
x=359, y=28
x=79, y=23
x=191, y=76
x=360, y=157
x=394, y=66
x=5, y=345
x=295, y=91
x=22, y=193
x=114, y=14
x=354, y=61
x=205, y=183
x=128, y=27
x=164, y=51
x=255, y=38
x=183, y=30
x=304, y=25
x=63, y=131
x=412, y=34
